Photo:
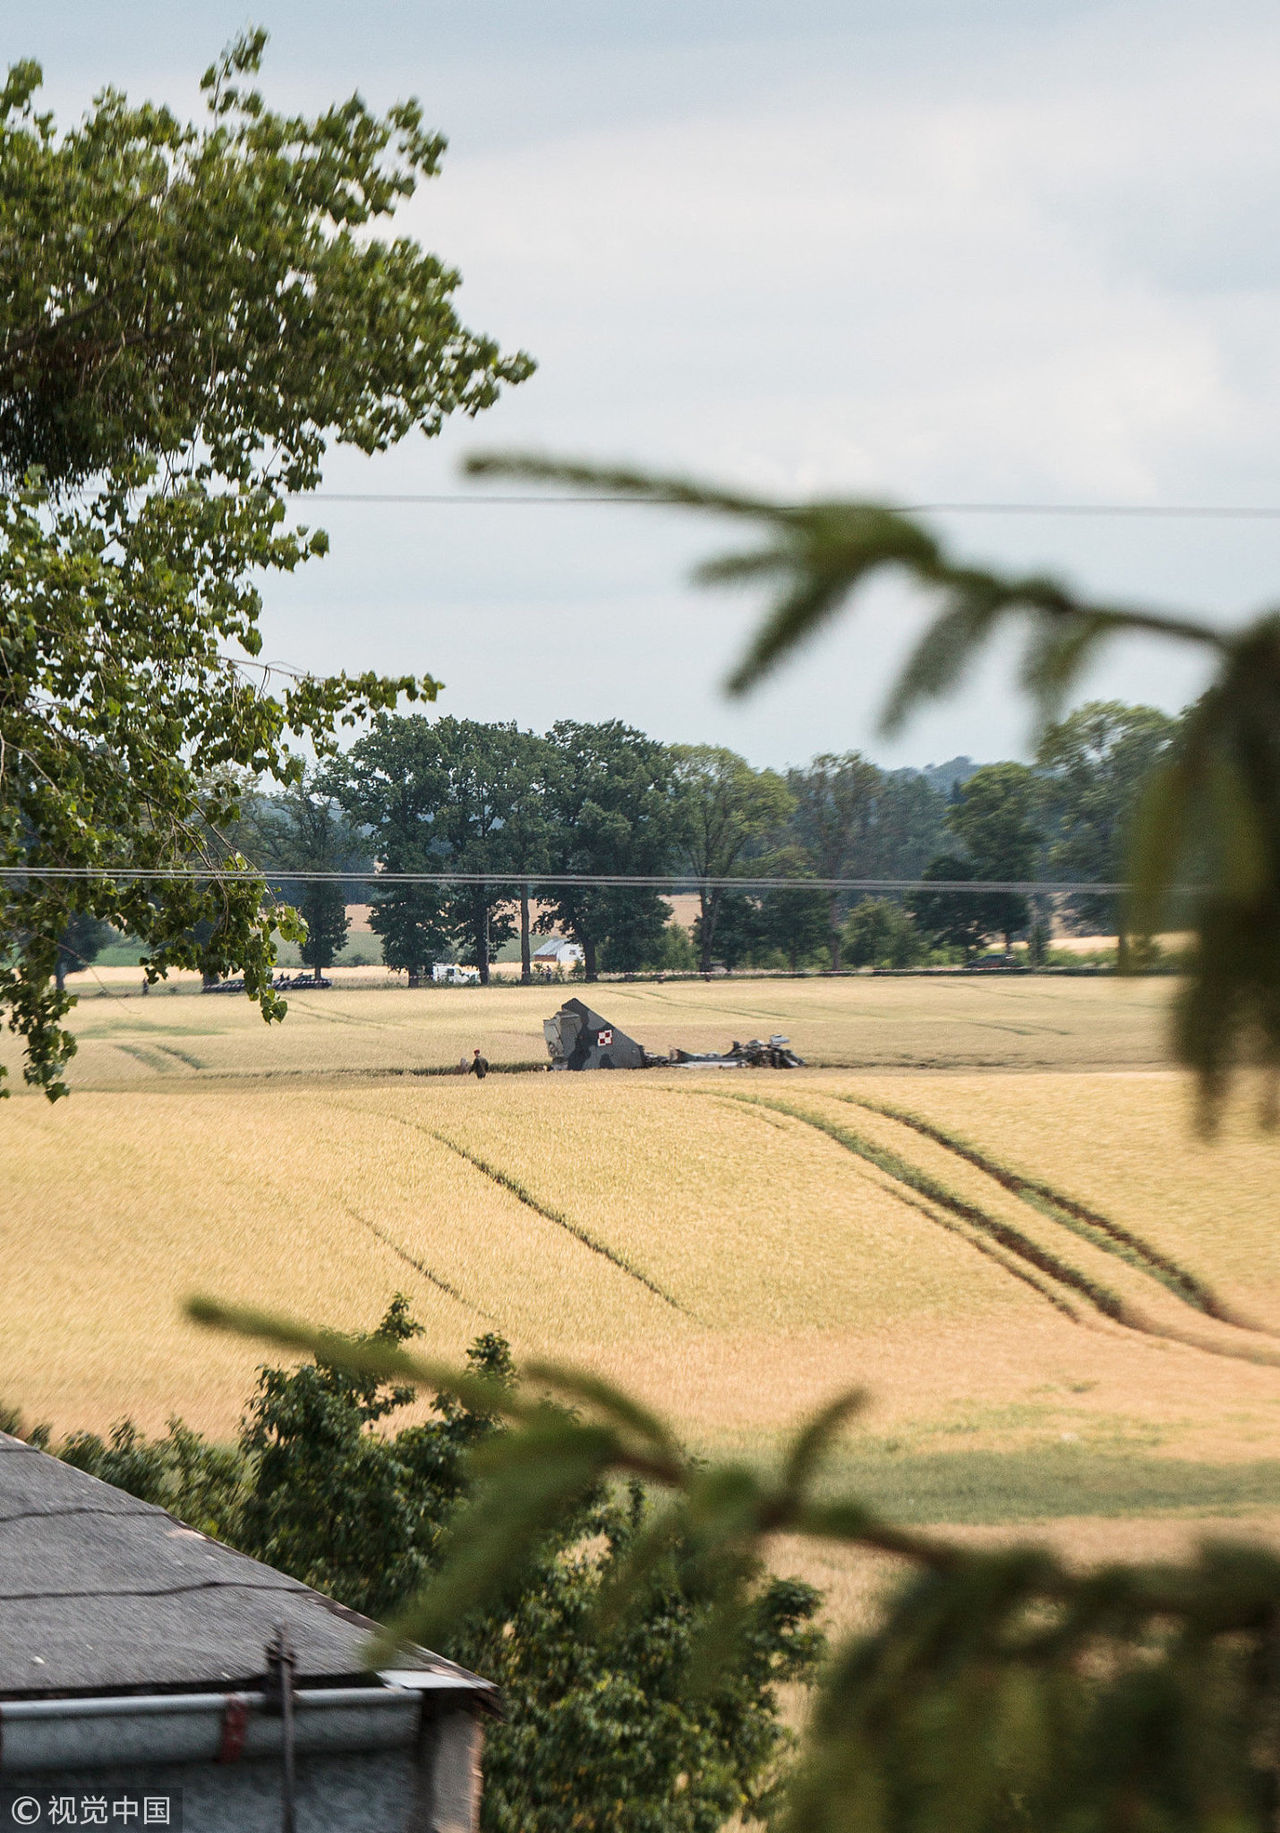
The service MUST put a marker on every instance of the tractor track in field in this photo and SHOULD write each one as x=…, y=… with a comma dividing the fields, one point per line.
x=514, y=1187
x=147, y=1055
x=1051, y=1268
x=902, y=1172
x=182, y=1056
x=419, y=1266
x=1093, y=1225
x=1007, y=1262
x=395, y=1247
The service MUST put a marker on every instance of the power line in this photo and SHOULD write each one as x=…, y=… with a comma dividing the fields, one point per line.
x=453, y=496
x=675, y=882
x=1206, y=511
x=1202, y=511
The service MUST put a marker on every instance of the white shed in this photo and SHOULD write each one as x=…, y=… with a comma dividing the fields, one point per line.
x=557, y=951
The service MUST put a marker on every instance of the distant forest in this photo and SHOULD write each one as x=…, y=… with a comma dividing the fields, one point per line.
x=419, y=794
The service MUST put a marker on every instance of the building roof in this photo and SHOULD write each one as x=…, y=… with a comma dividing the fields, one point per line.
x=101, y=1593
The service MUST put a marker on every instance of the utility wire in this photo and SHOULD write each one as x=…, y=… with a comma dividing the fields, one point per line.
x=1202, y=511
x=675, y=882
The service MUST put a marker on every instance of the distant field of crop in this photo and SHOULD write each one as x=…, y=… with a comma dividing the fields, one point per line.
x=979, y=1021
x=1034, y=1273
x=983, y=1202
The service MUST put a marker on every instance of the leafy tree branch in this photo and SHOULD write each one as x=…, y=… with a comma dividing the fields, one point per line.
x=189, y=315
x=999, y=1691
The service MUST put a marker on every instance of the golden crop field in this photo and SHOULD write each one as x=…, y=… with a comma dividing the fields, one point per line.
x=1027, y=1251
x=1061, y=1303
x=951, y=1021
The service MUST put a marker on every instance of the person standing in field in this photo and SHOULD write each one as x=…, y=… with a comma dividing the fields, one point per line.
x=479, y=1065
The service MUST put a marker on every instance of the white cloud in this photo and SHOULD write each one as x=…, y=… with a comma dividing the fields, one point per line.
x=938, y=251
x=887, y=288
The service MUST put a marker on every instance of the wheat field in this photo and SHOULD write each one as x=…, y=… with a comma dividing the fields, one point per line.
x=984, y=1204
x=736, y=1243
x=865, y=1021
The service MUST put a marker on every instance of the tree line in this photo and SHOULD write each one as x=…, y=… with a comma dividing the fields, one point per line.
x=459, y=795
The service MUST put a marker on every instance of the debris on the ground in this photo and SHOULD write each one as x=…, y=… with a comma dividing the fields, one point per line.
x=756, y=1053
x=578, y=1038
x=282, y=983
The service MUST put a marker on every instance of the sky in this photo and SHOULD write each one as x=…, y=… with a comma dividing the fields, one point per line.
x=935, y=251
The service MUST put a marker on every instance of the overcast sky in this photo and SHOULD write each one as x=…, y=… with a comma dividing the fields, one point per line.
x=936, y=250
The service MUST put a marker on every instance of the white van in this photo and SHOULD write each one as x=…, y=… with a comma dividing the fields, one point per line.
x=448, y=973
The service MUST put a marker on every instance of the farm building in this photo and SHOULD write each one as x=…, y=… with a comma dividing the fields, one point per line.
x=557, y=951
x=143, y=1663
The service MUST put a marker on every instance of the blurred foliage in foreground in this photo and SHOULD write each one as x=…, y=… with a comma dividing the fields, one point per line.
x=1214, y=799
x=600, y=1708
x=999, y=1692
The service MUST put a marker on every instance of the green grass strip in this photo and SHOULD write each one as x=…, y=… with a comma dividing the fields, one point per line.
x=1045, y=1482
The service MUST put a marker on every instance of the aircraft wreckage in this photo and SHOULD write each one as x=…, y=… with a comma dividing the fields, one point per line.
x=578, y=1038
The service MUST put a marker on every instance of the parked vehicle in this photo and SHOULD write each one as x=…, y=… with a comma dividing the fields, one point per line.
x=283, y=983
x=448, y=973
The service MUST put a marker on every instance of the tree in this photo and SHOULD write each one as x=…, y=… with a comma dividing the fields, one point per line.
x=318, y=840
x=452, y=795
x=908, y=826
x=993, y=814
x=599, y=1716
x=190, y=315
x=676, y=951
x=480, y=765
x=612, y=802
x=391, y=783
x=1093, y=765
x=410, y=923
x=848, y=814
x=728, y=811
x=737, y=932
x=526, y=830
x=953, y=919
x=878, y=933
x=836, y=800
x=796, y=921
x=79, y=945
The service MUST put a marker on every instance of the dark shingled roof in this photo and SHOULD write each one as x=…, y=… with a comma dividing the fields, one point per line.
x=101, y=1593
